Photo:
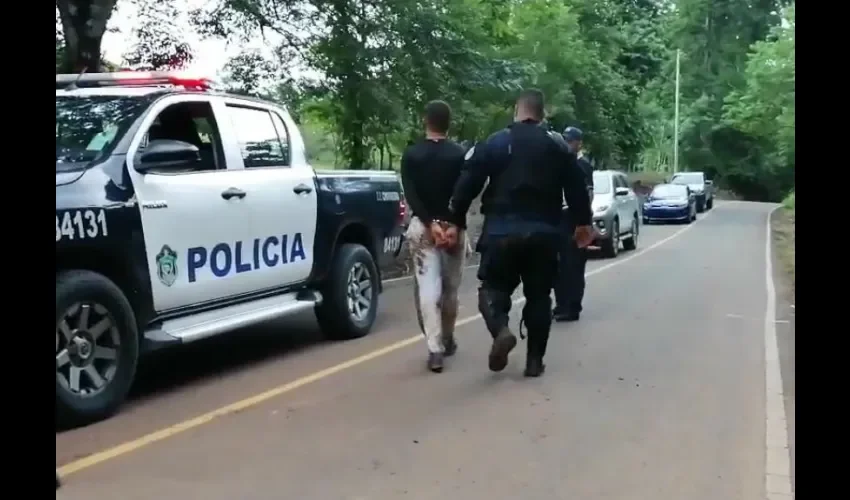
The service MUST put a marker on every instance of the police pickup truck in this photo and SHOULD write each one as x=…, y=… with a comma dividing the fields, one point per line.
x=183, y=213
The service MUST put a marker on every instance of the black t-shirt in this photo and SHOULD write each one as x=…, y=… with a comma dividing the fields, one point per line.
x=429, y=170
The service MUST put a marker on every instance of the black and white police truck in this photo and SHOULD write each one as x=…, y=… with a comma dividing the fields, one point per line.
x=183, y=213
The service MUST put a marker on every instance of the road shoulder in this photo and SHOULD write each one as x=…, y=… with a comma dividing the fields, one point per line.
x=783, y=240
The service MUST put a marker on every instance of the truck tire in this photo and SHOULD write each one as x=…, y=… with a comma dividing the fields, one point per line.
x=611, y=246
x=350, y=295
x=709, y=204
x=97, y=347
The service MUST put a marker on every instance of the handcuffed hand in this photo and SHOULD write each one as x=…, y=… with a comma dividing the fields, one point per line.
x=444, y=234
x=437, y=232
x=451, y=237
x=584, y=236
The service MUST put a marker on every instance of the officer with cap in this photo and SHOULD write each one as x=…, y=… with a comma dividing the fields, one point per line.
x=530, y=172
x=569, y=289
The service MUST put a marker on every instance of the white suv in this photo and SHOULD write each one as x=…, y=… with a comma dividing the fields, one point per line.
x=616, y=214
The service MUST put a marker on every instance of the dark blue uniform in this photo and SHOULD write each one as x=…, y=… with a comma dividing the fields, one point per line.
x=572, y=260
x=530, y=173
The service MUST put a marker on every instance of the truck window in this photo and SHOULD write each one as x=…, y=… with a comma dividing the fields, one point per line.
x=191, y=122
x=258, y=139
x=87, y=128
x=283, y=135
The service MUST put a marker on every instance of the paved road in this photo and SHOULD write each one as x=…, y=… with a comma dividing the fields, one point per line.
x=657, y=394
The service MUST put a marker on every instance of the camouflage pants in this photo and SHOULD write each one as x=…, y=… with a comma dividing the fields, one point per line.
x=437, y=276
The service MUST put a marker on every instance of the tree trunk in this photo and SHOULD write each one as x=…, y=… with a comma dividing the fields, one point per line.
x=83, y=23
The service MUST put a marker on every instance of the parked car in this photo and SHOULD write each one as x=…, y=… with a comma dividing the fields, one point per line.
x=670, y=202
x=183, y=213
x=615, y=212
x=702, y=187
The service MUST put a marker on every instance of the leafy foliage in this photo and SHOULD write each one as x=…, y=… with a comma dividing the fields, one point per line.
x=83, y=26
x=763, y=107
x=357, y=73
x=158, y=41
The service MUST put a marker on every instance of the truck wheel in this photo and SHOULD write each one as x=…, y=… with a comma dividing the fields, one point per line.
x=631, y=242
x=709, y=204
x=97, y=347
x=350, y=295
x=611, y=246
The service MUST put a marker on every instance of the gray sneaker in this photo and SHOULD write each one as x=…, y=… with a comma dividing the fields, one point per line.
x=449, y=346
x=435, y=362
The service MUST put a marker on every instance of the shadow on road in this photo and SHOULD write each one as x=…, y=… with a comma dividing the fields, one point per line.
x=223, y=356
x=175, y=369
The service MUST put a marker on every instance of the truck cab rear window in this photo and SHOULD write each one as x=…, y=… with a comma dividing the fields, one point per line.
x=258, y=138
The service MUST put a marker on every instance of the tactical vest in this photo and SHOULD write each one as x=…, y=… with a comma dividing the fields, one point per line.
x=530, y=182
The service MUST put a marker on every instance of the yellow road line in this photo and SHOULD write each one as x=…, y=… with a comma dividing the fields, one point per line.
x=133, y=445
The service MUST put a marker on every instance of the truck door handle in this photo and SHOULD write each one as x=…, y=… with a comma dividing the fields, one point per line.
x=232, y=193
x=302, y=188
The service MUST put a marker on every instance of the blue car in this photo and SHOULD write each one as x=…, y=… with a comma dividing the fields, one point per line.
x=670, y=202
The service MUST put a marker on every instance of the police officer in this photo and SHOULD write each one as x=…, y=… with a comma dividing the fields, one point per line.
x=569, y=289
x=530, y=171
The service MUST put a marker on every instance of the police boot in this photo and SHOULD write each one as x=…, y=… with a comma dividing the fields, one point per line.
x=435, y=362
x=503, y=343
x=560, y=314
x=534, y=366
x=495, y=306
x=569, y=315
x=537, y=317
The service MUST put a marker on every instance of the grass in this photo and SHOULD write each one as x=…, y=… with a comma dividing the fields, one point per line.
x=785, y=238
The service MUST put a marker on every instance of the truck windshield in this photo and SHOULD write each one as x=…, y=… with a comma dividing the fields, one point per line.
x=87, y=127
x=688, y=178
x=669, y=191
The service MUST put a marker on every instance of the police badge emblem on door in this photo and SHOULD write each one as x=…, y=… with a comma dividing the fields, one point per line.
x=166, y=265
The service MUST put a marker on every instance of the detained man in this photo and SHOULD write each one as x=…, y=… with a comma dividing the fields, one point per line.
x=429, y=170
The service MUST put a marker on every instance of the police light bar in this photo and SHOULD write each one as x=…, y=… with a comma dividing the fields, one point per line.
x=134, y=79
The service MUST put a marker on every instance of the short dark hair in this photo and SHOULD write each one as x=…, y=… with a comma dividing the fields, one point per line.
x=438, y=116
x=533, y=101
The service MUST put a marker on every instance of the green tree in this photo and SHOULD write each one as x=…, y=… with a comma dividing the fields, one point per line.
x=83, y=26
x=715, y=37
x=158, y=40
x=764, y=108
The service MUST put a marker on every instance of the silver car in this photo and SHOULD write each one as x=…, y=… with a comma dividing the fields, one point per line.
x=616, y=213
x=702, y=188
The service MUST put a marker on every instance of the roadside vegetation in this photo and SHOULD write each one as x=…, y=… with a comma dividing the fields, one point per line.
x=356, y=74
x=785, y=238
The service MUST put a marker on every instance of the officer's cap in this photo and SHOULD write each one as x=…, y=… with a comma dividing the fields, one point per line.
x=573, y=134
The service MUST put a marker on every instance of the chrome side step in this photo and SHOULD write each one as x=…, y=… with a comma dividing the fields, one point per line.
x=209, y=323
